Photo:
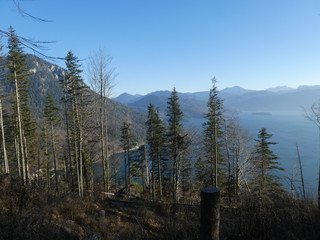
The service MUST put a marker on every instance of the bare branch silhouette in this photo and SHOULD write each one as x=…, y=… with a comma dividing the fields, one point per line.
x=35, y=46
x=26, y=14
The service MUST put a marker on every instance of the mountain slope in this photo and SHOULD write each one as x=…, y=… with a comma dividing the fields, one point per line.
x=45, y=80
x=127, y=98
x=190, y=105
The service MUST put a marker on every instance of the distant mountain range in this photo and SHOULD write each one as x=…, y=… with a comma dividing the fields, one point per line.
x=194, y=105
x=133, y=108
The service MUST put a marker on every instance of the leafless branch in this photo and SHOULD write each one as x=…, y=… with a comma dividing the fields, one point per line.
x=313, y=114
x=35, y=46
x=25, y=14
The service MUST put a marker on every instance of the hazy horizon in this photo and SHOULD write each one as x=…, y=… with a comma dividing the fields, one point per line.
x=250, y=89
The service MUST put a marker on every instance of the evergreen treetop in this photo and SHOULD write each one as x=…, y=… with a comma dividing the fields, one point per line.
x=17, y=65
x=213, y=136
x=265, y=161
x=174, y=113
x=51, y=110
x=74, y=84
x=155, y=128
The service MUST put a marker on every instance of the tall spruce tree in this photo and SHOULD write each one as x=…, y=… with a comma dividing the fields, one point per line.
x=76, y=98
x=156, y=141
x=213, y=136
x=265, y=162
x=24, y=124
x=176, y=138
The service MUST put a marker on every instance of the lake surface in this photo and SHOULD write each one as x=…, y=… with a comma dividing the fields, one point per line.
x=289, y=129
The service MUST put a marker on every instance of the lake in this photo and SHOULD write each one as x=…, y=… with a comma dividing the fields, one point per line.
x=289, y=129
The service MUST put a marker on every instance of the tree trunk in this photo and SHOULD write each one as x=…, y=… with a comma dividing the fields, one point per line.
x=216, y=157
x=54, y=157
x=80, y=149
x=76, y=146
x=81, y=160
x=71, y=182
x=26, y=160
x=107, y=154
x=16, y=144
x=48, y=167
x=21, y=145
x=102, y=142
x=126, y=168
x=5, y=157
x=129, y=166
x=159, y=173
x=178, y=169
x=229, y=187
x=146, y=179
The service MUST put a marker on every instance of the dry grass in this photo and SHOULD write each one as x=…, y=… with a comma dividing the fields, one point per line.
x=279, y=217
x=31, y=213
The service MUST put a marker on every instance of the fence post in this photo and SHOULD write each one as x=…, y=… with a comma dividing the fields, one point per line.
x=210, y=213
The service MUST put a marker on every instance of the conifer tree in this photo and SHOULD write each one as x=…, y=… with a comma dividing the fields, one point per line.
x=156, y=141
x=176, y=138
x=52, y=120
x=25, y=126
x=265, y=162
x=76, y=95
x=213, y=136
x=136, y=164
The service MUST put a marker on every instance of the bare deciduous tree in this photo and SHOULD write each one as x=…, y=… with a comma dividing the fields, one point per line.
x=101, y=75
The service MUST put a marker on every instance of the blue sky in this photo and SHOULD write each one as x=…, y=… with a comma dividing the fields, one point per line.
x=159, y=44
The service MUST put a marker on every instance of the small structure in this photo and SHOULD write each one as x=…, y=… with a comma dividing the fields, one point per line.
x=210, y=213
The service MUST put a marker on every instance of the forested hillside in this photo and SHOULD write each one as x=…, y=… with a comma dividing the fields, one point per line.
x=46, y=80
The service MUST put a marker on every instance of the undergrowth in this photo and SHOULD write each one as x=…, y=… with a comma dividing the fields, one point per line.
x=32, y=213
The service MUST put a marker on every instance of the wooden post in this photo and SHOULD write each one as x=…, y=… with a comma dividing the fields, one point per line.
x=210, y=213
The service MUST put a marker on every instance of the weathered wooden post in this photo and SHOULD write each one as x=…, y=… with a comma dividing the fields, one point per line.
x=210, y=213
